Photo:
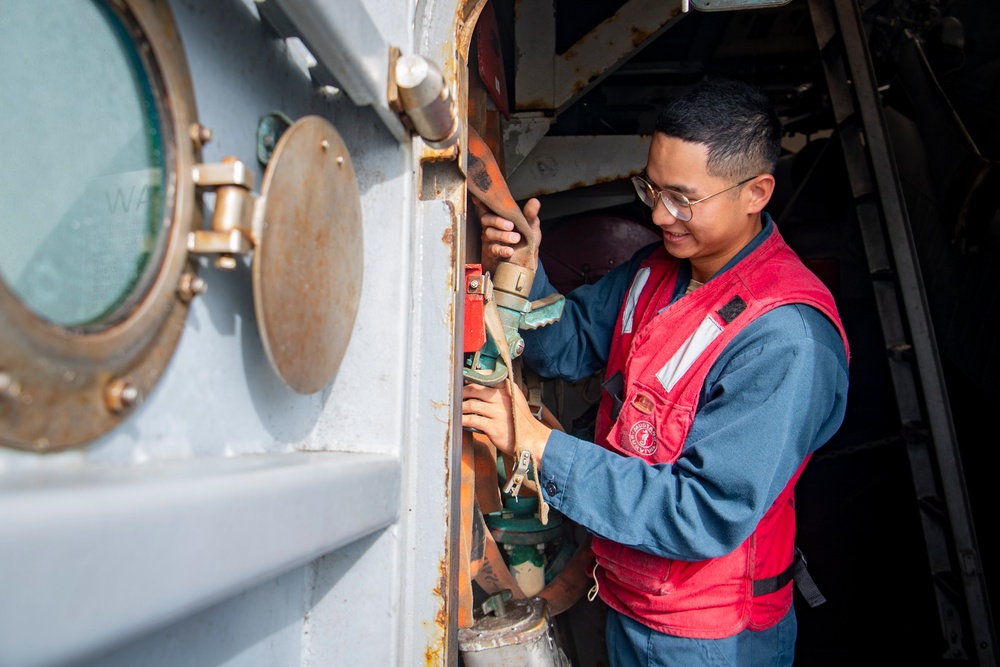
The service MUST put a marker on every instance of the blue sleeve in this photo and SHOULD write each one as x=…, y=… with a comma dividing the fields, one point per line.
x=776, y=394
x=577, y=345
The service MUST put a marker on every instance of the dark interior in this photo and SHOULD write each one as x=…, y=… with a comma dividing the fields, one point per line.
x=859, y=521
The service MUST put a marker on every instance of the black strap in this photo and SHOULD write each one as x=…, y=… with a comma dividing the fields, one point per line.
x=615, y=386
x=796, y=572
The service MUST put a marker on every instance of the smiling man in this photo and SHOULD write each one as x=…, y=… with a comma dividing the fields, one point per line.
x=726, y=369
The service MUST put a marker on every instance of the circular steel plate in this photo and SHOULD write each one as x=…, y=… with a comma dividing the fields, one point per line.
x=308, y=261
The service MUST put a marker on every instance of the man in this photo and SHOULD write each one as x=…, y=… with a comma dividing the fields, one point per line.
x=727, y=367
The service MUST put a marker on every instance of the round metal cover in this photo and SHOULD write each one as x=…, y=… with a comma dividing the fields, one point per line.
x=307, y=265
x=523, y=622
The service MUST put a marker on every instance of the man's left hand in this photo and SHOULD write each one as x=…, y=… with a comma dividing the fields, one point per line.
x=489, y=410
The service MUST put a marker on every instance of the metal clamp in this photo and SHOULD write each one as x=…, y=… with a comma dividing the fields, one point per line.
x=517, y=475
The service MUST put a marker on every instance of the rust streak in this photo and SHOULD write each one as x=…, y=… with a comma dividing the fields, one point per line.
x=538, y=104
x=432, y=652
x=639, y=36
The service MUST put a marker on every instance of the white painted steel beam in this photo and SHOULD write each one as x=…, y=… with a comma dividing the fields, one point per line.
x=92, y=558
x=557, y=164
x=520, y=136
x=549, y=81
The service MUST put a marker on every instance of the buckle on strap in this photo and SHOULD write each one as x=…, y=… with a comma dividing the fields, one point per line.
x=797, y=572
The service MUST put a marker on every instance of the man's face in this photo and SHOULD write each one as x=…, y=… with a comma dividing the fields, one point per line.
x=719, y=227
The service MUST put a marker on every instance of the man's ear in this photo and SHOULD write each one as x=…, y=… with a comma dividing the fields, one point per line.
x=760, y=188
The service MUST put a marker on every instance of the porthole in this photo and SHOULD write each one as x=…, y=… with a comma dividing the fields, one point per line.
x=98, y=112
x=102, y=229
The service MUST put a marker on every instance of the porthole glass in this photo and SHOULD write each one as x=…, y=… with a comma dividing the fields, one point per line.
x=82, y=177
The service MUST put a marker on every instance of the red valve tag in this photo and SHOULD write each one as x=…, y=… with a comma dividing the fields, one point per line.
x=475, y=323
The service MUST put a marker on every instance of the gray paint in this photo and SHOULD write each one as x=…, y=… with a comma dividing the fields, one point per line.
x=229, y=520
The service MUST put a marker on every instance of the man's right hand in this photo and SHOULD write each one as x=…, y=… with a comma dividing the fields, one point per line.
x=499, y=235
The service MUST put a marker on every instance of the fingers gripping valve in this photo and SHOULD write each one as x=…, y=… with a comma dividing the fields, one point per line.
x=505, y=307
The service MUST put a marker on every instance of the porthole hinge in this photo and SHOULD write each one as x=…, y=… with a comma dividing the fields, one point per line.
x=232, y=230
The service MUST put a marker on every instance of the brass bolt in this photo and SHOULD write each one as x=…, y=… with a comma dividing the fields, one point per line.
x=9, y=387
x=121, y=395
x=191, y=286
x=199, y=134
x=226, y=261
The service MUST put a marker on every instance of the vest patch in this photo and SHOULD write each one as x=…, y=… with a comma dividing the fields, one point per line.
x=642, y=437
x=731, y=310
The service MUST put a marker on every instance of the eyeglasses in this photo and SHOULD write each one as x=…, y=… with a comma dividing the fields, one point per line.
x=677, y=204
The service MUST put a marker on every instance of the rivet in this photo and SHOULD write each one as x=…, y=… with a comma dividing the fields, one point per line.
x=191, y=286
x=324, y=144
x=340, y=159
x=9, y=387
x=227, y=262
x=199, y=134
x=121, y=395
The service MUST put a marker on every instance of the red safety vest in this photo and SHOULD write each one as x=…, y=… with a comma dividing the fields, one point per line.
x=664, y=358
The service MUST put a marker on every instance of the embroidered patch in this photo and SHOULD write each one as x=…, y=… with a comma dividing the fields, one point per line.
x=642, y=437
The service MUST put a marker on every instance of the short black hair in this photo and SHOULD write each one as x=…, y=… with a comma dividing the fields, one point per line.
x=734, y=119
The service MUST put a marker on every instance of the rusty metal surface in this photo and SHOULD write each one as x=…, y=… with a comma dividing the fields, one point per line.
x=559, y=164
x=63, y=375
x=308, y=265
x=555, y=81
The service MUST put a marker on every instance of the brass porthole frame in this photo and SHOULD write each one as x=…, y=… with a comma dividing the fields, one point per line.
x=62, y=388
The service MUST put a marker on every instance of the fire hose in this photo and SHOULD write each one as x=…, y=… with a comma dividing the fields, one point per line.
x=506, y=311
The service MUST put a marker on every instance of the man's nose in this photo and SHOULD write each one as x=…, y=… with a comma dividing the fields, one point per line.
x=662, y=216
